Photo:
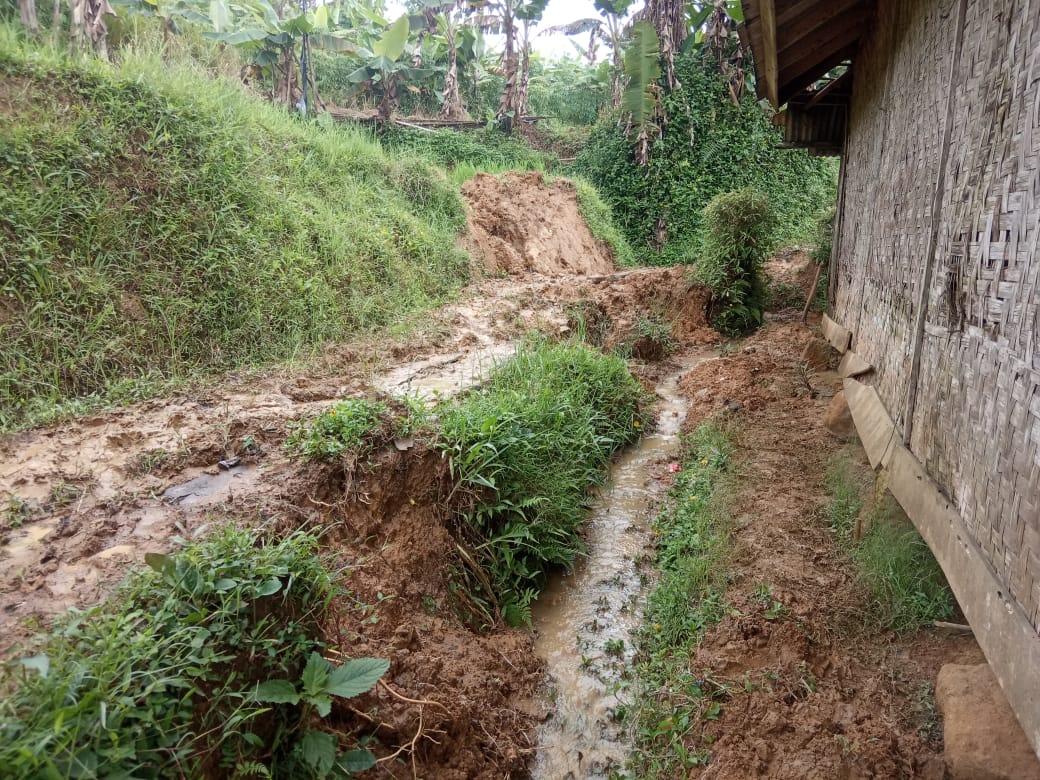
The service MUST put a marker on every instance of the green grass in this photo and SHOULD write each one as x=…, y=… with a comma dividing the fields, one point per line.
x=600, y=219
x=160, y=224
x=528, y=446
x=693, y=546
x=161, y=679
x=906, y=585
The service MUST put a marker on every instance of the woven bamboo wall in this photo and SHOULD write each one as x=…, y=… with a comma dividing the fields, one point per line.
x=976, y=424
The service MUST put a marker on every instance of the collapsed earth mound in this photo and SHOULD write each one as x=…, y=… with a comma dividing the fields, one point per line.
x=520, y=223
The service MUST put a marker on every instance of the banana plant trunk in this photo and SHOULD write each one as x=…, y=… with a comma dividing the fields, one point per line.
x=452, y=107
x=669, y=19
x=508, y=104
x=525, y=74
x=87, y=30
x=27, y=12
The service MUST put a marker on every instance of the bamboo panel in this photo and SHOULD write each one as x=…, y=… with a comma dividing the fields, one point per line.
x=976, y=426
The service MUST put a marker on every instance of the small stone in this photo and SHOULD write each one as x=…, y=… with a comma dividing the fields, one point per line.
x=817, y=354
x=982, y=738
x=838, y=419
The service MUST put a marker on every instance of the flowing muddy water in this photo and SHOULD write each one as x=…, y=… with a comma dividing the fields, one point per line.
x=585, y=622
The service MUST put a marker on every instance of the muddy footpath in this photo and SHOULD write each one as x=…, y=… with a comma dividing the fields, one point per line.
x=811, y=695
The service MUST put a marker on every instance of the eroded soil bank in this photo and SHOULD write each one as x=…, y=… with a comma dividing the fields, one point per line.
x=809, y=693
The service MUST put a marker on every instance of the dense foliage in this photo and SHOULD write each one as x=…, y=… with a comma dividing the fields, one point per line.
x=737, y=236
x=708, y=146
x=157, y=223
x=176, y=674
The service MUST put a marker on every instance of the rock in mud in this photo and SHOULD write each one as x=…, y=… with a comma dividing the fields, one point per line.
x=983, y=740
x=838, y=419
x=817, y=354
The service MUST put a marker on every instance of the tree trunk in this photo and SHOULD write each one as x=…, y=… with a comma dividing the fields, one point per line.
x=507, y=104
x=56, y=24
x=617, y=81
x=452, y=107
x=525, y=75
x=87, y=30
x=669, y=19
x=27, y=11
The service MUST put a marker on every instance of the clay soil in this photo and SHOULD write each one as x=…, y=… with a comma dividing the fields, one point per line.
x=94, y=494
x=816, y=692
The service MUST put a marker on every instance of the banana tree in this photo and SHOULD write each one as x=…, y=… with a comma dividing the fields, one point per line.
x=385, y=65
x=641, y=97
x=611, y=30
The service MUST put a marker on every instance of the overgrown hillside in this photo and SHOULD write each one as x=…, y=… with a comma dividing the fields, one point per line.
x=158, y=223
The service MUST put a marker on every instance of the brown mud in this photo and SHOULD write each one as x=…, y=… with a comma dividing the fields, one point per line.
x=815, y=692
x=518, y=222
x=84, y=500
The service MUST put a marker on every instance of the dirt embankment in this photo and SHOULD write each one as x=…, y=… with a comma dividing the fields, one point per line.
x=518, y=223
x=811, y=689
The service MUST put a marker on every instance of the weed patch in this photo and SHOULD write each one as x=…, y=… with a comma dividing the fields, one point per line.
x=907, y=587
x=189, y=669
x=528, y=447
x=693, y=540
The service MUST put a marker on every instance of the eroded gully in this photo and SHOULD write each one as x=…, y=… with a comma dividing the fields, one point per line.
x=585, y=622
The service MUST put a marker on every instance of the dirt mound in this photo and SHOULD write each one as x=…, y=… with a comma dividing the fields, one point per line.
x=519, y=223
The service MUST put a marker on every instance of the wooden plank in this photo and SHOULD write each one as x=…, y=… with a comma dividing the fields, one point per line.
x=838, y=38
x=770, y=69
x=810, y=29
x=839, y=337
x=814, y=74
x=1002, y=629
x=852, y=365
x=875, y=428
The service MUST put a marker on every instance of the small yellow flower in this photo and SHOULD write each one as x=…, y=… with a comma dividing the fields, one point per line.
x=411, y=501
x=657, y=626
x=704, y=461
x=693, y=498
x=636, y=423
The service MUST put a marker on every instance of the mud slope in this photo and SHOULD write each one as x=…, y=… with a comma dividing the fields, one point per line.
x=520, y=223
x=812, y=692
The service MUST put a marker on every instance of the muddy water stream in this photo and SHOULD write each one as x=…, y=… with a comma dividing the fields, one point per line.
x=585, y=622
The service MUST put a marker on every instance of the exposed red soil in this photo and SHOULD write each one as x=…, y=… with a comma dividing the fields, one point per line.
x=520, y=223
x=814, y=692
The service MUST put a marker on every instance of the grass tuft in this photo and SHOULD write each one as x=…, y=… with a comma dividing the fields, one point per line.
x=529, y=446
x=693, y=543
x=906, y=584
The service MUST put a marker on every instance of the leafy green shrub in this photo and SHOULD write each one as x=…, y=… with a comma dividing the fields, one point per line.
x=823, y=243
x=651, y=339
x=529, y=445
x=709, y=146
x=160, y=223
x=349, y=427
x=737, y=237
x=161, y=680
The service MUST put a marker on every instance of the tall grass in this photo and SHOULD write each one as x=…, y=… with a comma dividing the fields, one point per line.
x=906, y=585
x=530, y=445
x=157, y=223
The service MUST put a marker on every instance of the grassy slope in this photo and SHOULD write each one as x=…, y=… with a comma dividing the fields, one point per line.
x=156, y=223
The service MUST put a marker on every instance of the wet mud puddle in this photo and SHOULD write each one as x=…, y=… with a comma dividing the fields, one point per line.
x=585, y=622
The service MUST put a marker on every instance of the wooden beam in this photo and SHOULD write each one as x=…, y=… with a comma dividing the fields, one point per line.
x=810, y=31
x=835, y=86
x=788, y=89
x=807, y=58
x=770, y=68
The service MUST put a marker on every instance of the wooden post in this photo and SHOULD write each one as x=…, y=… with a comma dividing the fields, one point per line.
x=767, y=18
